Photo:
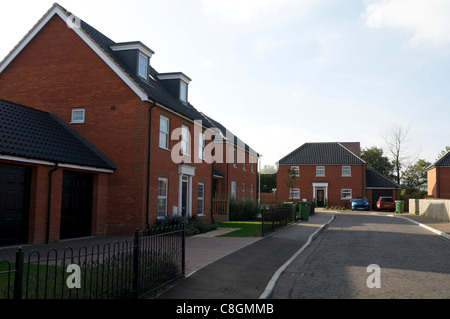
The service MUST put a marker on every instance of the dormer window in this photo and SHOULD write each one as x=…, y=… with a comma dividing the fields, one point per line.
x=176, y=83
x=142, y=67
x=135, y=56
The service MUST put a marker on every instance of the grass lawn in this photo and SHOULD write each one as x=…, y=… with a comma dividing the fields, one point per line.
x=247, y=228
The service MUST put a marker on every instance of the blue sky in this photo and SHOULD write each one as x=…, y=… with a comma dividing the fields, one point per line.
x=282, y=73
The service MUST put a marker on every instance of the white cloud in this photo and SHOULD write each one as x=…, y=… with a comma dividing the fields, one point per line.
x=428, y=20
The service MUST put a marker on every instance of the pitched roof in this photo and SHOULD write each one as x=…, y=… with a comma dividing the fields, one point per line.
x=225, y=134
x=321, y=153
x=33, y=134
x=152, y=87
x=376, y=180
x=444, y=160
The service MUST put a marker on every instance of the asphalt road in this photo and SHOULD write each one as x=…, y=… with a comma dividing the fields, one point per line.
x=341, y=263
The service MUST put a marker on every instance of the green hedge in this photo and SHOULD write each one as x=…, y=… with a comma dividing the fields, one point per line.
x=243, y=209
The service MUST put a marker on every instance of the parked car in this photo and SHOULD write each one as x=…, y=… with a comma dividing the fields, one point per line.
x=386, y=203
x=359, y=202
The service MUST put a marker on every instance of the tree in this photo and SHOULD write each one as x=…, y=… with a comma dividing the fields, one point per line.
x=396, y=140
x=375, y=159
x=290, y=180
x=443, y=152
x=268, y=183
x=414, y=180
x=268, y=169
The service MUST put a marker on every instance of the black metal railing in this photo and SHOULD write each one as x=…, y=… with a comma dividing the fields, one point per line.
x=129, y=269
x=276, y=218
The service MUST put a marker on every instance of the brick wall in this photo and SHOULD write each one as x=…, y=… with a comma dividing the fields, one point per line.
x=438, y=179
x=333, y=175
x=57, y=71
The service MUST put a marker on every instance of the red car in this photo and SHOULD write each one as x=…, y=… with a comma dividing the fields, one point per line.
x=386, y=203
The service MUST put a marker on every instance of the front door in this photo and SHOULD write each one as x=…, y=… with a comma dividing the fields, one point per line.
x=14, y=194
x=184, y=194
x=320, y=195
x=76, y=206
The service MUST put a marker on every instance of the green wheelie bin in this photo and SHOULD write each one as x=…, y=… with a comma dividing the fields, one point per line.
x=304, y=210
x=399, y=206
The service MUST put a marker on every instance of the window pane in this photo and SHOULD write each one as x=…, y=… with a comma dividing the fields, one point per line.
x=183, y=92
x=162, y=188
x=164, y=125
x=142, y=70
x=346, y=171
x=200, y=190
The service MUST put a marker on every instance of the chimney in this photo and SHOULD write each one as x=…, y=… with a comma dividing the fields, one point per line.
x=354, y=147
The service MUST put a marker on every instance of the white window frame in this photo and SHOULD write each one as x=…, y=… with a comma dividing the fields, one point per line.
x=319, y=170
x=243, y=190
x=183, y=91
x=251, y=163
x=201, y=146
x=142, y=66
x=233, y=189
x=346, y=170
x=234, y=157
x=201, y=200
x=346, y=193
x=78, y=118
x=185, y=140
x=297, y=169
x=243, y=162
x=292, y=191
x=162, y=197
x=164, y=133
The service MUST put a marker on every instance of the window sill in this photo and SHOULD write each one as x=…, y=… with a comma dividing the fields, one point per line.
x=166, y=149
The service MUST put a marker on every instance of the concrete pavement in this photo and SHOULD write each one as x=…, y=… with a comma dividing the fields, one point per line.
x=247, y=272
x=235, y=267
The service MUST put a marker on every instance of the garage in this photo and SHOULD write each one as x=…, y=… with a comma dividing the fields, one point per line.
x=377, y=185
x=377, y=193
x=76, y=205
x=14, y=204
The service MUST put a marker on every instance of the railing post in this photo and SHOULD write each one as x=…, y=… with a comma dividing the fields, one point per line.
x=18, y=276
x=183, y=250
x=136, y=264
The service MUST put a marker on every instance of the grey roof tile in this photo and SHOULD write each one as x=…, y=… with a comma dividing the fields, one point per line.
x=375, y=179
x=34, y=134
x=321, y=153
x=152, y=87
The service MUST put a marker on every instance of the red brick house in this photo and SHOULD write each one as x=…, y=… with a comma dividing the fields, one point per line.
x=141, y=119
x=438, y=177
x=330, y=174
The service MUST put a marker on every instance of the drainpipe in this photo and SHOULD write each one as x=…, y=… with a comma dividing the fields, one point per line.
x=49, y=201
x=147, y=224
